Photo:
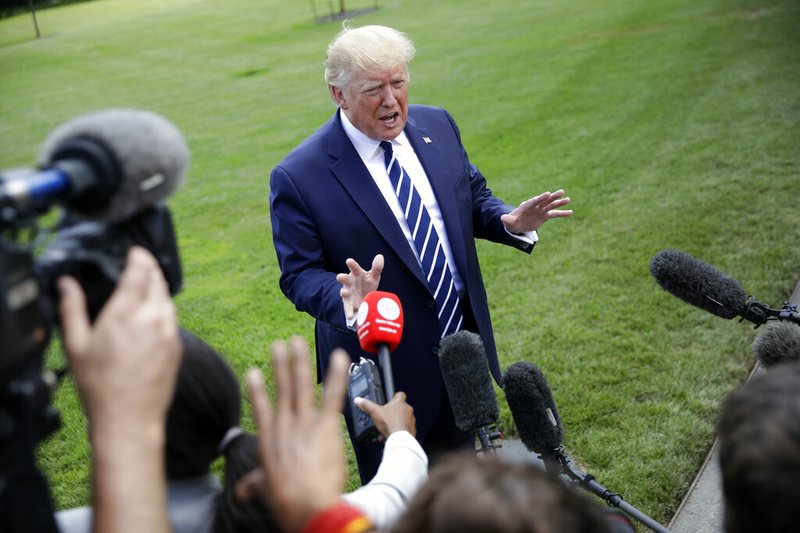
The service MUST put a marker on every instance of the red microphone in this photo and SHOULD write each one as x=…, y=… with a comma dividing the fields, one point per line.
x=380, y=328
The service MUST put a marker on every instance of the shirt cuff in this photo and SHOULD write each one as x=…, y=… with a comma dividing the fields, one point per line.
x=530, y=237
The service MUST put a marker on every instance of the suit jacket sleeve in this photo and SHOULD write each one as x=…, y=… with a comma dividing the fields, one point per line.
x=486, y=208
x=304, y=279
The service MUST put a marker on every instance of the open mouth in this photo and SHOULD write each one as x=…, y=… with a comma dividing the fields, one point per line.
x=390, y=118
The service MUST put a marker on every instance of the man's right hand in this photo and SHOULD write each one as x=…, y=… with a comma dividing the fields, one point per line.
x=357, y=283
x=396, y=415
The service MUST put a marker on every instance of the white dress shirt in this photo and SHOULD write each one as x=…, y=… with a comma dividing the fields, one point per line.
x=372, y=155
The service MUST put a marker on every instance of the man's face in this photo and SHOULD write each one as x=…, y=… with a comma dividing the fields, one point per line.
x=376, y=102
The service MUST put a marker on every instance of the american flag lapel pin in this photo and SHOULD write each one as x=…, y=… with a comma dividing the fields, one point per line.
x=427, y=140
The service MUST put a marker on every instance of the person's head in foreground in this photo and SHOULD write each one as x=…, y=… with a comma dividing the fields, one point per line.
x=466, y=494
x=759, y=452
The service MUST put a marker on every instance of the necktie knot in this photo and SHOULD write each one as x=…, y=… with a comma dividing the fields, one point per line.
x=387, y=152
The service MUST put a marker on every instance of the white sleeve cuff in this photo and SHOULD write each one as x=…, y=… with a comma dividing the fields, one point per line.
x=528, y=238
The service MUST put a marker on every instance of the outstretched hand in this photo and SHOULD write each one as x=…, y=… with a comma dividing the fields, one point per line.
x=358, y=283
x=396, y=415
x=125, y=366
x=532, y=213
x=301, y=450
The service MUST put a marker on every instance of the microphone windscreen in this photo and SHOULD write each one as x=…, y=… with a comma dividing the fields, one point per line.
x=380, y=321
x=697, y=283
x=149, y=153
x=462, y=359
x=532, y=406
x=778, y=341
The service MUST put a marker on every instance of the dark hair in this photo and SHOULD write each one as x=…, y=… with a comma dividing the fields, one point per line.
x=207, y=403
x=465, y=494
x=232, y=515
x=759, y=452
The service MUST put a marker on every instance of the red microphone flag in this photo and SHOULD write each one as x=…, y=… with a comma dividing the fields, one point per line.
x=380, y=321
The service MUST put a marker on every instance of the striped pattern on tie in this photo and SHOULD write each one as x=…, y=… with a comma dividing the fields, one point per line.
x=429, y=248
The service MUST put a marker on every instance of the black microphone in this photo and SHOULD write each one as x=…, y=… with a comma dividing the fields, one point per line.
x=705, y=287
x=107, y=166
x=778, y=342
x=534, y=412
x=465, y=371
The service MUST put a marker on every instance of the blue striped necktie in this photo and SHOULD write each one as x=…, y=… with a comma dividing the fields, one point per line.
x=426, y=241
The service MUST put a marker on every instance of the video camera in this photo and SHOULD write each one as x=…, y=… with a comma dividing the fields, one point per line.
x=87, y=168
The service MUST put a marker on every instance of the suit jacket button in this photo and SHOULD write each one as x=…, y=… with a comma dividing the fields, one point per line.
x=431, y=304
x=435, y=350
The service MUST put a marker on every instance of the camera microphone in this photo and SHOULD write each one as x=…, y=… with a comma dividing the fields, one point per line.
x=776, y=343
x=705, y=287
x=107, y=166
x=534, y=412
x=462, y=359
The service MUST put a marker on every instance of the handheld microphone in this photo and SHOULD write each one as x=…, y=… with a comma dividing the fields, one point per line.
x=107, y=166
x=705, y=287
x=534, y=412
x=380, y=328
x=776, y=343
x=462, y=359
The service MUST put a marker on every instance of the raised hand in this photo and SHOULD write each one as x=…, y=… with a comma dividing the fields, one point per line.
x=357, y=283
x=532, y=213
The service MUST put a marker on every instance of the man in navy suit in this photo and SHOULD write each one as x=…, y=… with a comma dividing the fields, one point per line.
x=334, y=209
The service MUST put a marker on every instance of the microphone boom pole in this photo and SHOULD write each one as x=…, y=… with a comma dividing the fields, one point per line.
x=534, y=410
x=613, y=499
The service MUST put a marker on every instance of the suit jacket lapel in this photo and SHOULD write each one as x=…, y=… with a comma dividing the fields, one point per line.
x=348, y=168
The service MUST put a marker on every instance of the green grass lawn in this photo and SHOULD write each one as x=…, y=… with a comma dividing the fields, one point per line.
x=670, y=123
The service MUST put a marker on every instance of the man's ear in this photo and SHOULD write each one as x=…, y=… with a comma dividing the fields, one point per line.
x=338, y=96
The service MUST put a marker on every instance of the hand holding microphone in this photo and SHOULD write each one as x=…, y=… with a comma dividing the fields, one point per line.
x=396, y=415
x=380, y=328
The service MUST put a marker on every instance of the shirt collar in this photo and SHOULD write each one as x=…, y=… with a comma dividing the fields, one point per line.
x=368, y=148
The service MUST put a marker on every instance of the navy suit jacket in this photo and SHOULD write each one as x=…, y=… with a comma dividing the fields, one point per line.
x=325, y=208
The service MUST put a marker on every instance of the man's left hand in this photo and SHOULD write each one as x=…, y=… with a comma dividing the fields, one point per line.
x=534, y=212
